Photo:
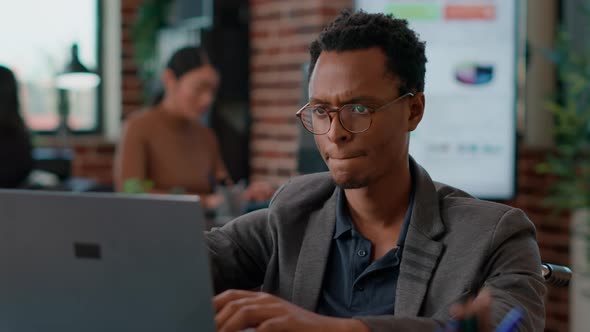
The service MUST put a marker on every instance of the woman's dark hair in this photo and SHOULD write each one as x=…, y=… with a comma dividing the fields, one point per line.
x=183, y=61
x=10, y=117
x=15, y=143
x=186, y=59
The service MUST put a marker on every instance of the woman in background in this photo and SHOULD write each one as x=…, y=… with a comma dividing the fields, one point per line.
x=16, y=161
x=168, y=145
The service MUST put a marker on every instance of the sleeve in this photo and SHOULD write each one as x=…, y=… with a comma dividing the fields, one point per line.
x=239, y=251
x=514, y=271
x=130, y=160
x=513, y=275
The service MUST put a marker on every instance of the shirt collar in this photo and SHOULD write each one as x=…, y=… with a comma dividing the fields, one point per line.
x=344, y=221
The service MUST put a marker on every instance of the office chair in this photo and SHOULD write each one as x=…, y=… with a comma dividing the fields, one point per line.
x=556, y=275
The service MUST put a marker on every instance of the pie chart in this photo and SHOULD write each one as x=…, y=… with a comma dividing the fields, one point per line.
x=474, y=73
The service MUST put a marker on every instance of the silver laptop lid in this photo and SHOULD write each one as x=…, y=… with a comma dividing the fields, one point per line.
x=100, y=262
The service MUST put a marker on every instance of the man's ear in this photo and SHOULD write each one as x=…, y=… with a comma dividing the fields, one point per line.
x=168, y=80
x=417, y=105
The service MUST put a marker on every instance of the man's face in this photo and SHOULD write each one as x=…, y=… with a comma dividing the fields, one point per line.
x=360, y=77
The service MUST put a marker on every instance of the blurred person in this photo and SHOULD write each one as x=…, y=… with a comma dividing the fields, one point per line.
x=16, y=161
x=168, y=145
x=374, y=244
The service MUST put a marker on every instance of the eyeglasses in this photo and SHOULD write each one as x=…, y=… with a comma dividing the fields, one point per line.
x=355, y=118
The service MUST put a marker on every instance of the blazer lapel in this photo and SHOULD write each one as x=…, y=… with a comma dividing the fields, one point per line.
x=313, y=257
x=417, y=266
x=421, y=250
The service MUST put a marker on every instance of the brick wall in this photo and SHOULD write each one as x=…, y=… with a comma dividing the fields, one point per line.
x=94, y=160
x=280, y=35
x=132, y=88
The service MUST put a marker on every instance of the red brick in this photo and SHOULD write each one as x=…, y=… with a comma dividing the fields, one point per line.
x=275, y=120
x=276, y=137
x=280, y=37
x=131, y=4
x=275, y=102
x=273, y=154
x=131, y=83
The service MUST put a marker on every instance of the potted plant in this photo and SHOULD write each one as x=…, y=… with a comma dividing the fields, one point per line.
x=570, y=164
x=152, y=16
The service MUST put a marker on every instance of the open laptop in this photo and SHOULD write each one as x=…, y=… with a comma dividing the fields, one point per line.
x=100, y=262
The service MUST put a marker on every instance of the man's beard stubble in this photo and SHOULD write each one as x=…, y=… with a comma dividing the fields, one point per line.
x=353, y=184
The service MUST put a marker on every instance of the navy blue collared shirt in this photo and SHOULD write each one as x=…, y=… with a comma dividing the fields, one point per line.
x=353, y=286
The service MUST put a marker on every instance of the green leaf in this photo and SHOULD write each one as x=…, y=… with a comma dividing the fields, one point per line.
x=137, y=186
x=151, y=18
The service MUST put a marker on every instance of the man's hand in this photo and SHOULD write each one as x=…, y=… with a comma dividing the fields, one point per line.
x=479, y=308
x=237, y=310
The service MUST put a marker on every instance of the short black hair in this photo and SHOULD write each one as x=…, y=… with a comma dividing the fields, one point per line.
x=405, y=52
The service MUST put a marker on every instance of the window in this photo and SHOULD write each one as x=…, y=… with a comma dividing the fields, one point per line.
x=36, y=38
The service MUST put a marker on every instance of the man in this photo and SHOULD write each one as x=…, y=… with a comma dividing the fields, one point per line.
x=375, y=245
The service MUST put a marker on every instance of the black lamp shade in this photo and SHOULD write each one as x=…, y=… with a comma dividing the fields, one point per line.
x=76, y=76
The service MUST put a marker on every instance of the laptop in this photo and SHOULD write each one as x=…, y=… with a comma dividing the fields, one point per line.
x=102, y=262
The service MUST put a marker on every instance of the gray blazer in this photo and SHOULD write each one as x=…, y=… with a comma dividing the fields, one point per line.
x=455, y=245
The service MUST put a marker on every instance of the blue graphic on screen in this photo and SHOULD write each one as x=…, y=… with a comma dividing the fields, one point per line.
x=474, y=74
